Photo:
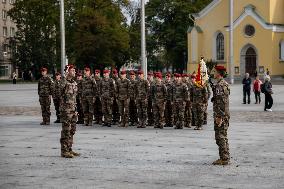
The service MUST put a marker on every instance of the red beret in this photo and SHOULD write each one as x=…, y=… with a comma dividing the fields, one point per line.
x=159, y=76
x=114, y=71
x=122, y=72
x=43, y=69
x=140, y=72
x=79, y=74
x=97, y=71
x=87, y=69
x=57, y=73
x=106, y=71
x=132, y=72
x=184, y=75
x=177, y=75
x=150, y=73
x=71, y=66
x=220, y=68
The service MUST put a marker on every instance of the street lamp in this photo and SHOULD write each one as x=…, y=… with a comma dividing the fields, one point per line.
x=62, y=33
x=143, y=41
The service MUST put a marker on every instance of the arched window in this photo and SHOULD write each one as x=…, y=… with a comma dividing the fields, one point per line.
x=220, y=46
x=281, y=50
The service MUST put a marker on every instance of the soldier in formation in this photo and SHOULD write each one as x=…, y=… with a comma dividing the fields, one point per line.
x=98, y=104
x=57, y=95
x=133, y=117
x=79, y=98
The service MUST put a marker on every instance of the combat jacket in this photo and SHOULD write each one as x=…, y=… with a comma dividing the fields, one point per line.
x=199, y=94
x=170, y=90
x=88, y=87
x=180, y=92
x=57, y=90
x=45, y=86
x=159, y=92
x=123, y=86
x=132, y=89
x=142, y=89
x=98, y=84
x=107, y=88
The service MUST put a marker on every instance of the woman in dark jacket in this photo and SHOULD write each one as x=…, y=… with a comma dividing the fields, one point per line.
x=268, y=94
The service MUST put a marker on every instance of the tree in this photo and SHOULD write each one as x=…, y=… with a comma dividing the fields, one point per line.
x=167, y=22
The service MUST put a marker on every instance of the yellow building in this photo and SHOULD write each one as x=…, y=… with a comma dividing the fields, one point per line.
x=258, y=36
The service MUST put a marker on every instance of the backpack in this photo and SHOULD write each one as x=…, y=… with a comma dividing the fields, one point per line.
x=262, y=88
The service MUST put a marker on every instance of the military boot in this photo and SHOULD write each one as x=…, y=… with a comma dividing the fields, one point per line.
x=43, y=123
x=67, y=155
x=74, y=153
x=221, y=162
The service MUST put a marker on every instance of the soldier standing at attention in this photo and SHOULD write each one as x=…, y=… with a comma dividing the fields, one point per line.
x=169, y=101
x=98, y=104
x=79, y=98
x=221, y=114
x=88, y=96
x=132, y=96
x=187, y=113
x=69, y=114
x=193, y=78
x=45, y=90
x=57, y=95
x=206, y=105
x=142, y=91
x=159, y=96
x=180, y=98
x=107, y=90
x=115, y=108
x=123, y=86
x=150, y=114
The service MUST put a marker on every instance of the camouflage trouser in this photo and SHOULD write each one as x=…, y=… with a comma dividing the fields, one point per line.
x=142, y=111
x=56, y=103
x=98, y=110
x=79, y=109
x=150, y=112
x=133, y=111
x=45, y=102
x=159, y=109
x=68, y=131
x=187, y=114
x=115, y=111
x=205, y=114
x=198, y=109
x=88, y=109
x=169, y=113
x=179, y=113
x=222, y=139
x=107, y=109
x=124, y=110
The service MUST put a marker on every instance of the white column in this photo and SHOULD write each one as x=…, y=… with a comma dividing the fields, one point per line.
x=231, y=65
x=143, y=40
x=62, y=33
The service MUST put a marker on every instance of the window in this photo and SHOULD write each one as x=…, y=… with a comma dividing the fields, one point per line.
x=4, y=1
x=220, y=46
x=4, y=14
x=5, y=33
x=4, y=71
x=249, y=30
x=281, y=50
x=12, y=2
x=12, y=31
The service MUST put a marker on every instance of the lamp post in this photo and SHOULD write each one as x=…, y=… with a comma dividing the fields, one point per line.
x=143, y=40
x=62, y=33
x=231, y=65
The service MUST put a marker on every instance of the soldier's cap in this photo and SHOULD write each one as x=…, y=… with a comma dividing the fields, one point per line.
x=106, y=71
x=184, y=75
x=70, y=66
x=114, y=71
x=177, y=75
x=57, y=73
x=43, y=69
x=123, y=72
x=79, y=74
x=150, y=74
x=87, y=69
x=97, y=71
x=193, y=76
x=159, y=76
x=168, y=74
x=132, y=72
x=220, y=68
x=140, y=72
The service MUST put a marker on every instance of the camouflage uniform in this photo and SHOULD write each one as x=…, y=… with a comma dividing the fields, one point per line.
x=188, y=106
x=123, y=86
x=142, y=91
x=221, y=92
x=133, y=119
x=56, y=99
x=206, y=105
x=115, y=108
x=98, y=104
x=169, y=104
x=150, y=114
x=79, y=102
x=88, y=95
x=107, y=90
x=159, y=96
x=45, y=90
x=199, y=100
x=69, y=114
x=180, y=97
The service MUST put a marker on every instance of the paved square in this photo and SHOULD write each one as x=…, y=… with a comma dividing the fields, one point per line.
x=140, y=158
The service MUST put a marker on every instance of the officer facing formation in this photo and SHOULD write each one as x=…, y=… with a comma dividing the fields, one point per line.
x=57, y=95
x=107, y=92
x=45, y=90
x=221, y=114
x=88, y=95
x=68, y=114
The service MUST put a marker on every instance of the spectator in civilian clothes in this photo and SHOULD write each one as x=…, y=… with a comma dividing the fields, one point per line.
x=246, y=88
x=256, y=89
